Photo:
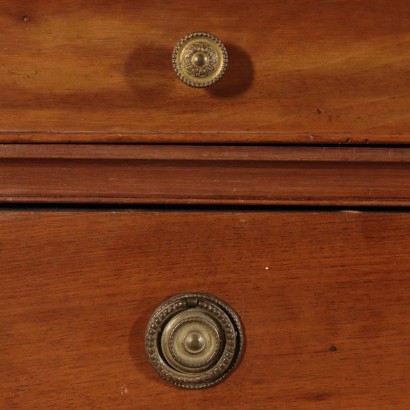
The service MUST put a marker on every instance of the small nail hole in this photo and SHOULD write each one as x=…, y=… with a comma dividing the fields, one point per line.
x=25, y=18
x=332, y=348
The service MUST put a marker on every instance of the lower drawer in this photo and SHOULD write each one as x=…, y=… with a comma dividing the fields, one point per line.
x=324, y=299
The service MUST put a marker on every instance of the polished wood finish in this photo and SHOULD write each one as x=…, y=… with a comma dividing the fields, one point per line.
x=205, y=175
x=324, y=299
x=299, y=72
x=88, y=95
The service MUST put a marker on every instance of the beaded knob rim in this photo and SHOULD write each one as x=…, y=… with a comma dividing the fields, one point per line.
x=199, y=83
x=231, y=352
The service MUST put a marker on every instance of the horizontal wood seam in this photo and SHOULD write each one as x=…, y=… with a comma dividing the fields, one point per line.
x=205, y=137
x=207, y=153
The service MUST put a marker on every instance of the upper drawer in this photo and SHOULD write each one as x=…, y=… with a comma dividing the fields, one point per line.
x=299, y=71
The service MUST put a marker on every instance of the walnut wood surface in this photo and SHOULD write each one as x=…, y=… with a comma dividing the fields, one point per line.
x=324, y=298
x=300, y=71
x=204, y=175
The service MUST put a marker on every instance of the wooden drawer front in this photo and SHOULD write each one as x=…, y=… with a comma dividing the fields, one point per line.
x=305, y=71
x=324, y=298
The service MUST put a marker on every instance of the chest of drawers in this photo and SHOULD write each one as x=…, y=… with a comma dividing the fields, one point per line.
x=282, y=189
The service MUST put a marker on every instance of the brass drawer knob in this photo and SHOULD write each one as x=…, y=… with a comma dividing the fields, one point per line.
x=194, y=340
x=200, y=59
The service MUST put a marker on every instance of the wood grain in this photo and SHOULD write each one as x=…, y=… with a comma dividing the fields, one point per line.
x=300, y=72
x=324, y=298
x=204, y=175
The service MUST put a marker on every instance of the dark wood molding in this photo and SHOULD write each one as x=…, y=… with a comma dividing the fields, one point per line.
x=207, y=137
x=204, y=175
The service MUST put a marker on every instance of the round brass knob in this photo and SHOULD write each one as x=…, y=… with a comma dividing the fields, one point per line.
x=200, y=59
x=194, y=340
